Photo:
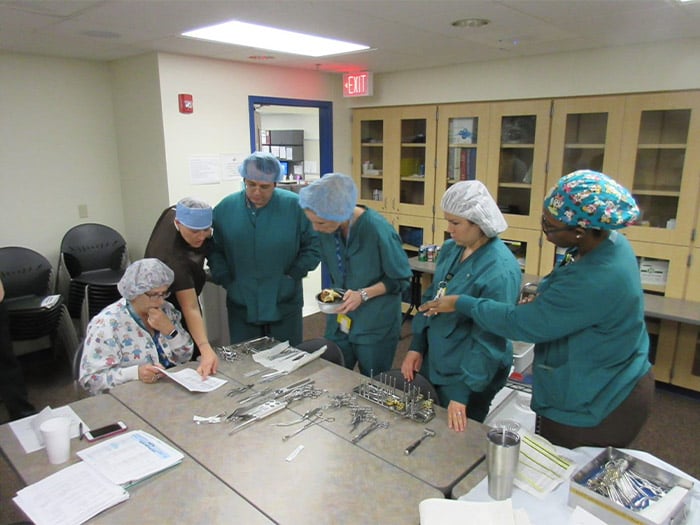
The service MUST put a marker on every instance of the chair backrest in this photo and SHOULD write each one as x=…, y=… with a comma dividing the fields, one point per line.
x=396, y=379
x=77, y=357
x=92, y=246
x=24, y=272
x=333, y=352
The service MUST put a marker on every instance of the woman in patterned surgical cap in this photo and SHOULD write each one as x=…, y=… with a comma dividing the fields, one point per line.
x=592, y=380
x=139, y=335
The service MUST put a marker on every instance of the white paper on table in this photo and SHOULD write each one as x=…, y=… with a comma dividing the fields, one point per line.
x=131, y=457
x=192, y=381
x=289, y=364
x=70, y=496
x=436, y=511
x=541, y=469
x=26, y=430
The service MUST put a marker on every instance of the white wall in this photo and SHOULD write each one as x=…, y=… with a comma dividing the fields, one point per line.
x=111, y=137
x=58, y=150
x=661, y=67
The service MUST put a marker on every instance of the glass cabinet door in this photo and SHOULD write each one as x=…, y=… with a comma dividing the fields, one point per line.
x=585, y=135
x=416, y=163
x=517, y=167
x=461, y=146
x=369, y=157
x=660, y=154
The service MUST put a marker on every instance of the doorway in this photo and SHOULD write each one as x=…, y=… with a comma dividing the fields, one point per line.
x=315, y=119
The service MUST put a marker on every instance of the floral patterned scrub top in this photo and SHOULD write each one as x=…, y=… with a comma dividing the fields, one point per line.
x=116, y=343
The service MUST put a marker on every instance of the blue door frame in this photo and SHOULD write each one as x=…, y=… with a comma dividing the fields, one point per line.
x=325, y=136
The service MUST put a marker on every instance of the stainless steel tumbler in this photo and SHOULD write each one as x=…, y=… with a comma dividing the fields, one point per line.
x=502, y=461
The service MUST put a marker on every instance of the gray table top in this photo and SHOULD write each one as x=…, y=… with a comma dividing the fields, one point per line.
x=187, y=493
x=330, y=480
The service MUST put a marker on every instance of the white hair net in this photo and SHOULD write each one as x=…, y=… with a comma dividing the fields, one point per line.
x=332, y=197
x=471, y=200
x=144, y=275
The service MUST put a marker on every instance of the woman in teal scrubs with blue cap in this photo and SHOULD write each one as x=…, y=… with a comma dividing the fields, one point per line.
x=592, y=380
x=364, y=256
x=466, y=363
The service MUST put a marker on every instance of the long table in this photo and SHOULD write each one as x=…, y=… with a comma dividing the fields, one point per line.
x=331, y=479
x=188, y=493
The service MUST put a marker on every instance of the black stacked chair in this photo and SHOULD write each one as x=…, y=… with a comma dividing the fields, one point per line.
x=26, y=277
x=94, y=257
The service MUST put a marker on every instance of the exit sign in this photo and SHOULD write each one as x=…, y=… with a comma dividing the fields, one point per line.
x=357, y=84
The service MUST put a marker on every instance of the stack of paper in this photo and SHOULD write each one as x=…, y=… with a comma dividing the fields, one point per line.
x=70, y=496
x=79, y=492
x=130, y=457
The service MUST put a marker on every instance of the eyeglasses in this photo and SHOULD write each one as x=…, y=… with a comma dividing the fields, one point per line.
x=547, y=228
x=157, y=295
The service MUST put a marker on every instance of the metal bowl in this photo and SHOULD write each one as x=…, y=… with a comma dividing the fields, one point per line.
x=328, y=308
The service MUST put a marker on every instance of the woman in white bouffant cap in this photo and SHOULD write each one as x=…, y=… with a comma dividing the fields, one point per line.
x=364, y=257
x=467, y=364
x=138, y=336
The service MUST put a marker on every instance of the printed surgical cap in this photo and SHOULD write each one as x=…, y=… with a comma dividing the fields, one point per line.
x=332, y=197
x=471, y=200
x=144, y=275
x=261, y=167
x=592, y=200
x=194, y=214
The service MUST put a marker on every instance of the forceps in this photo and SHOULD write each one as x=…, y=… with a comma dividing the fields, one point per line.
x=315, y=421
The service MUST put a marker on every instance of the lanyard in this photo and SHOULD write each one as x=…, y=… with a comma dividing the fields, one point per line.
x=162, y=358
x=442, y=285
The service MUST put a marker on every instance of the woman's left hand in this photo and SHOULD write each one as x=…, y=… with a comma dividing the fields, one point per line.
x=457, y=416
x=444, y=304
x=352, y=300
x=159, y=321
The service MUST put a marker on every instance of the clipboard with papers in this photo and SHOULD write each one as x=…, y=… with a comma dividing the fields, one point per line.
x=80, y=491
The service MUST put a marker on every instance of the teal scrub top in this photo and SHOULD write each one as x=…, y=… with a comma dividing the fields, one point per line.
x=587, y=323
x=461, y=353
x=261, y=255
x=372, y=253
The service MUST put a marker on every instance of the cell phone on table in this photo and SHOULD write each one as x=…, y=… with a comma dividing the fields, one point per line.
x=105, y=431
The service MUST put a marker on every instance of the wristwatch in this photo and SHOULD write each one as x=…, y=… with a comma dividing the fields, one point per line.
x=363, y=294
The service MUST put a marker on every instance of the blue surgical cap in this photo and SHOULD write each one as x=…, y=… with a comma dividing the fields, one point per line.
x=144, y=275
x=261, y=167
x=332, y=197
x=590, y=199
x=193, y=214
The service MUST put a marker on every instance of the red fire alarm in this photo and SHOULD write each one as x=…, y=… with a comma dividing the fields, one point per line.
x=186, y=105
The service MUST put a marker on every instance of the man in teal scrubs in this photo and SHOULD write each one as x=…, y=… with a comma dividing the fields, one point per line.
x=467, y=364
x=263, y=246
x=364, y=256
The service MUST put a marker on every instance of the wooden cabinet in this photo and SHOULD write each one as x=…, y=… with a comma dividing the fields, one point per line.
x=659, y=160
x=517, y=159
x=394, y=156
x=462, y=146
x=585, y=135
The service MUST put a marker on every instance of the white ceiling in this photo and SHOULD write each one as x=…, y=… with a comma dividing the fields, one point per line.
x=404, y=34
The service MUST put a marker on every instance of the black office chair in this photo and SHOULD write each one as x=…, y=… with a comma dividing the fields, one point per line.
x=333, y=352
x=26, y=277
x=395, y=378
x=94, y=256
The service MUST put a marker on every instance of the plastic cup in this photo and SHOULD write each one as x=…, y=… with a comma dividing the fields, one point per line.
x=56, y=434
x=502, y=457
